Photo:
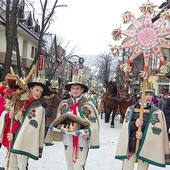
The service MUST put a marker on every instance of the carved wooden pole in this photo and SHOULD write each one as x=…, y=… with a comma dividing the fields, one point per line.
x=141, y=109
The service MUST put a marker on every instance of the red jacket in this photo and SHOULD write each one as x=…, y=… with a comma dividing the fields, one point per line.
x=15, y=124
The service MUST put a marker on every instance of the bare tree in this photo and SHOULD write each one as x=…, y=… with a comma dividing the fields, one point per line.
x=86, y=72
x=10, y=32
x=46, y=20
x=104, y=62
x=60, y=56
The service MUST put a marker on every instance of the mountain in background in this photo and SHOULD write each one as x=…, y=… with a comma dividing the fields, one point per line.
x=90, y=60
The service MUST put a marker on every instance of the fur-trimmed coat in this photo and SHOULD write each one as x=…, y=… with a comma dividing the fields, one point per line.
x=154, y=145
x=86, y=110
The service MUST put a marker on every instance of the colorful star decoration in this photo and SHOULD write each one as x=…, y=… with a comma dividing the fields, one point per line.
x=145, y=37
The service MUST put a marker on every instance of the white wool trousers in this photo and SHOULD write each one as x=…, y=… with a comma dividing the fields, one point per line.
x=128, y=164
x=18, y=161
x=80, y=162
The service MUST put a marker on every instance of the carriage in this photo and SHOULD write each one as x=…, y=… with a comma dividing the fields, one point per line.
x=116, y=102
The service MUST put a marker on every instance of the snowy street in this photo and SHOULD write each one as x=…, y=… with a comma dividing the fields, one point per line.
x=100, y=159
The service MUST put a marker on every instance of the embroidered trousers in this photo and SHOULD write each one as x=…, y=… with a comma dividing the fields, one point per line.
x=80, y=162
x=18, y=161
x=128, y=164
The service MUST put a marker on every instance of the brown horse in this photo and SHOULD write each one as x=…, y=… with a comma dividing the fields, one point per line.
x=116, y=103
x=53, y=102
x=110, y=106
x=110, y=102
x=124, y=102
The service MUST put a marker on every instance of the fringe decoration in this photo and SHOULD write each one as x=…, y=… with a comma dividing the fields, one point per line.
x=116, y=33
x=144, y=74
x=166, y=14
x=149, y=7
x=115, y=51
x=126, y=67
x=165, y=68
x=126, y=16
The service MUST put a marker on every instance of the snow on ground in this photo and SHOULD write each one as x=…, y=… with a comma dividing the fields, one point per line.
x=100, y=159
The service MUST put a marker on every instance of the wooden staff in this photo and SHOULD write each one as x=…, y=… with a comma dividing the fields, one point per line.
x=141, y=110
x=10, y=130
x=9, y=147
x=18, y=106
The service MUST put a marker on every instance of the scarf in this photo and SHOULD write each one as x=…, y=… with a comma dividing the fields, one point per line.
x=73, y=107
x=29, y=101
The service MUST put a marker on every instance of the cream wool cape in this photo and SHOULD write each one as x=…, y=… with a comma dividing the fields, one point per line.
x=85, y=106
x=29, y=138
x=154, y=146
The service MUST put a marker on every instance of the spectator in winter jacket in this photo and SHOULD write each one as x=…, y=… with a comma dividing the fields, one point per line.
x=155, y=100
x=166, y=110
x=162, y=101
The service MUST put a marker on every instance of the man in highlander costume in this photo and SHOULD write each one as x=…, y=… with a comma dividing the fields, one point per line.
x=154, y=145
x=78, y=126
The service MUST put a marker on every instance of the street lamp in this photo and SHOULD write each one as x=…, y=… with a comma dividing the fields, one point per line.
x=77, y=63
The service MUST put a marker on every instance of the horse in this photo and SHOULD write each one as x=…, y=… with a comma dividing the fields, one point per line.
x=116, y=103
x=125, y=101
x=111, y=102
x=53, y=102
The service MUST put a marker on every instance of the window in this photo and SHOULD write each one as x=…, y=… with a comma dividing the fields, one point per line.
x=32, y=52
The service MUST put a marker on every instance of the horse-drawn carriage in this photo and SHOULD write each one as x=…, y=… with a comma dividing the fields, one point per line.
x=115, y=102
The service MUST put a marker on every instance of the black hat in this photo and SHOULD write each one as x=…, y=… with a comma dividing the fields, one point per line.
x=68, y=86
x=32, y=84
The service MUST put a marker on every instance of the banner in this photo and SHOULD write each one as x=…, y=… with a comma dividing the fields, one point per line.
x=41, y=62
x=75, y=70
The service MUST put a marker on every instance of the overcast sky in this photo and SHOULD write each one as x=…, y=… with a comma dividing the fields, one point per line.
x=88, y=23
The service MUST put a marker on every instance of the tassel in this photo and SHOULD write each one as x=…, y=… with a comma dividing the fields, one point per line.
x=166, y=14
x=126, y=17
x=115, y=51
x=116, y=33
x=147, y=8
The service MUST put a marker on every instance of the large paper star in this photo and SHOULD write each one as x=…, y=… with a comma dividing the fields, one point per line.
x=145, y=37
